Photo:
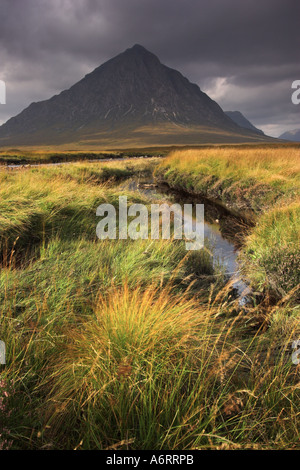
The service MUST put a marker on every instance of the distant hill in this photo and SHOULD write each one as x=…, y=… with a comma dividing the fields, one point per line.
x=132, y=99
x=293, y=135
x=241, y=121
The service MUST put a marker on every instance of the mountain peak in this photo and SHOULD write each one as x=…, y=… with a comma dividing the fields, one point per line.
x=140, y=52
x=131, y=91
x=138, y=47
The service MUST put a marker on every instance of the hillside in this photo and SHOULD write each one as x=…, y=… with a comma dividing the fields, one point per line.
x=242, y=121
x=293, y=135
x=132, y=99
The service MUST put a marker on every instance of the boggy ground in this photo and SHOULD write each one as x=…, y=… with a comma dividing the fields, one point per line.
x=127, y=344
x=263, y=185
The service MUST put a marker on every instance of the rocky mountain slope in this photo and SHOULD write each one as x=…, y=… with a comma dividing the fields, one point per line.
x=132, y=98
x=241, y=121
x=293, y=135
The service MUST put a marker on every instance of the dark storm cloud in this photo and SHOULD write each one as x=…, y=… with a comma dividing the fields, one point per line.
x=243, y=53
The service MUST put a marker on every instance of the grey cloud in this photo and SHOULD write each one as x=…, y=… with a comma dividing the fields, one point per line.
x=47, y=46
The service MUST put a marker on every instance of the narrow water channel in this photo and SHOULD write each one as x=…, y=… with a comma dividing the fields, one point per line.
x=220, y=229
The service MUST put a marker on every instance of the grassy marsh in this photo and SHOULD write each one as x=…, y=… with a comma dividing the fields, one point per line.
x=260, y=182
x=117, y=344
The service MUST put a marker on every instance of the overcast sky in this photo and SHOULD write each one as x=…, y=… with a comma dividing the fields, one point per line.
x=242, y=53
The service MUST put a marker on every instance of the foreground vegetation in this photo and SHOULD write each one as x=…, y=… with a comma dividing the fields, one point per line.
x=121, y=344
x=260, y=184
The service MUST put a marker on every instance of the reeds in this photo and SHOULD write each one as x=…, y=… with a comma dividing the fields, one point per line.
x=260, y=183
x=117, y=344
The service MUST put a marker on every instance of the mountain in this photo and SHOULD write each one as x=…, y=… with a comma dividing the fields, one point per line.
x=241, y=121
x=293, y=135
x=132, y=99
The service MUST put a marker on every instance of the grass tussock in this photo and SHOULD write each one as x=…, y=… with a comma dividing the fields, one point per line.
x=271, y=254
x=259, y=182
x=243, y=178
x=37, y=203
x=121, y=344
x=149, y=368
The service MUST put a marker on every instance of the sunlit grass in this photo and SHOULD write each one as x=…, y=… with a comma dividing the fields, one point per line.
x=271, y=253
x=244, y=178
x=122, y=344
x=261, y=183
x=261, y=163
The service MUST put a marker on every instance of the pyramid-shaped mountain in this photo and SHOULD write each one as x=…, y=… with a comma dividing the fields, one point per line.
x=132, y=99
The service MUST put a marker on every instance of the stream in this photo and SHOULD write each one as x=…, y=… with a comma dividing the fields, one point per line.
x=220, y=229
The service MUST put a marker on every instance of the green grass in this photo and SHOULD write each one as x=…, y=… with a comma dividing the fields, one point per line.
x=245, y=179
x=129, y=344
x=271, y=254
x=261, y=184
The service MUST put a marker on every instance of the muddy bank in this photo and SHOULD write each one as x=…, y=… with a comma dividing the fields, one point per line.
x=223, y=230
x=241, y=210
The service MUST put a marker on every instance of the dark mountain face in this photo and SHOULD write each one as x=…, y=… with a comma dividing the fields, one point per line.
x=130, y=91
x=241, y=121
x=293, y=135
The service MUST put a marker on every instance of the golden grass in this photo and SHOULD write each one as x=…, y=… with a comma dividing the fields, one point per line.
x=260, y=183
x=110, y=346
x=154, y=368
x=264, y=164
